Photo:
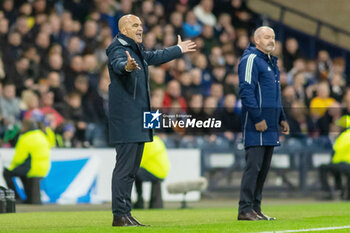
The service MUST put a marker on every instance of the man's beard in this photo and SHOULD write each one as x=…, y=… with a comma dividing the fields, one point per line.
x=270, y=48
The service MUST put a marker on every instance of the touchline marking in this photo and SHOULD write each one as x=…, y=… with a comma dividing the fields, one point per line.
x=311, y=229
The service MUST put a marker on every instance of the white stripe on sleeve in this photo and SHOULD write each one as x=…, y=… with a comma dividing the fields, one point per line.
x=249, y=68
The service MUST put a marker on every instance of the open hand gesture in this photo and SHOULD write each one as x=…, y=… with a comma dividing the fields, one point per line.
x=187, y=46
x=131, y=63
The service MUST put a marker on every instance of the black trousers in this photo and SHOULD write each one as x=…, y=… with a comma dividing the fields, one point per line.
x=258, y=160
x=8, y=176
x=31, y=185
x=337, y=170
x=128, y=161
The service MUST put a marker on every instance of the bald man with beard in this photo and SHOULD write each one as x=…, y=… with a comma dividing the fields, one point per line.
x=129, y=98
x=262, y=114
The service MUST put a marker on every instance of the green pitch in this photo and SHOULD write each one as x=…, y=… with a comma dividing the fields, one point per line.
x=290, y=216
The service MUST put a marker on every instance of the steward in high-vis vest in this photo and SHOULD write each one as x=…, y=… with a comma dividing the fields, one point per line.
x=31, y=158
x=340, y=164
x=154, y=167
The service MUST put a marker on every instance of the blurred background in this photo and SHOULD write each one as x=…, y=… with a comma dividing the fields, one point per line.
x=53, y=70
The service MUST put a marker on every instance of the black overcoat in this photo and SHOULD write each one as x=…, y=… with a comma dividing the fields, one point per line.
x=129, y=93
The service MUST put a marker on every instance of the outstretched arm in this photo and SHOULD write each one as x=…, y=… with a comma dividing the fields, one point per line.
x=164, y=55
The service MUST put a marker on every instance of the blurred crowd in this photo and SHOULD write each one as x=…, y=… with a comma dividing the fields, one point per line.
x=53, y=69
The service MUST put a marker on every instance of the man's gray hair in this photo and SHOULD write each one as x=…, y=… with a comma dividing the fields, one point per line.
x=259, y=30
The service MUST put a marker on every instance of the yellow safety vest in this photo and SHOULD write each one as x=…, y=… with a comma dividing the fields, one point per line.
x=341, y=148
x=155, y=159
x=35, y=144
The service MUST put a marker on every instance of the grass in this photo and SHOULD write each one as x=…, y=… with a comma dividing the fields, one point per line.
x=196, y=220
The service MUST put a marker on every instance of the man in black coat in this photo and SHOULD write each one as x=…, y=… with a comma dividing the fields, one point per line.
x=129, y=97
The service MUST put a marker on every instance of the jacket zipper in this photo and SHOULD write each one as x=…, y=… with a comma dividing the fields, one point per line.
x=260, y=103
x=135, y=87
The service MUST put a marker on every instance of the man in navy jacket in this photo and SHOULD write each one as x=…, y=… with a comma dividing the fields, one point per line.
x=129, y=97
x=262, y=114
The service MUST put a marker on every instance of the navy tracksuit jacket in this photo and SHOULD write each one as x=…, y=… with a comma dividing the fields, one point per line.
x=260, y=91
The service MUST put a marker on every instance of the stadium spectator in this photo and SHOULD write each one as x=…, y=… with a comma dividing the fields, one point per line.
x=90, y=67
x=31, y=102
x=320, y=103
x=324, y=66
x=203, y=12
x=90, y=36
x=56, y=88
x=9, y=105
x=210, y=110
x=216, y=57
x=242, y=15
x=75, y=47
x=20, y=74
x=157, y=78
x=150, y=41
x=231, y=84
x=47, y=102
x=299, y=87
x=291, y=53
x=310, y=72
x=177, y=22
x=100, y=51
x=209, y=39
x=241, y=44
x=42, y=43
x=172, y=94
x=75, y=69
x=55, y=64
x=298, y=66
x=191, y=26
x=217, y=91
x=231, y=121
x=337, y=86
x=327, y=124
x=301, y=124
x=93, y=112
x=9, y=11
x=4, y=29
x=186, y=85
x=72, y=111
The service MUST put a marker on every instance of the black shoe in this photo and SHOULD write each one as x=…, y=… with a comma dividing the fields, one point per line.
x=137, y=222
x=264, y=217
x=249, y=216
x=123, y=221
